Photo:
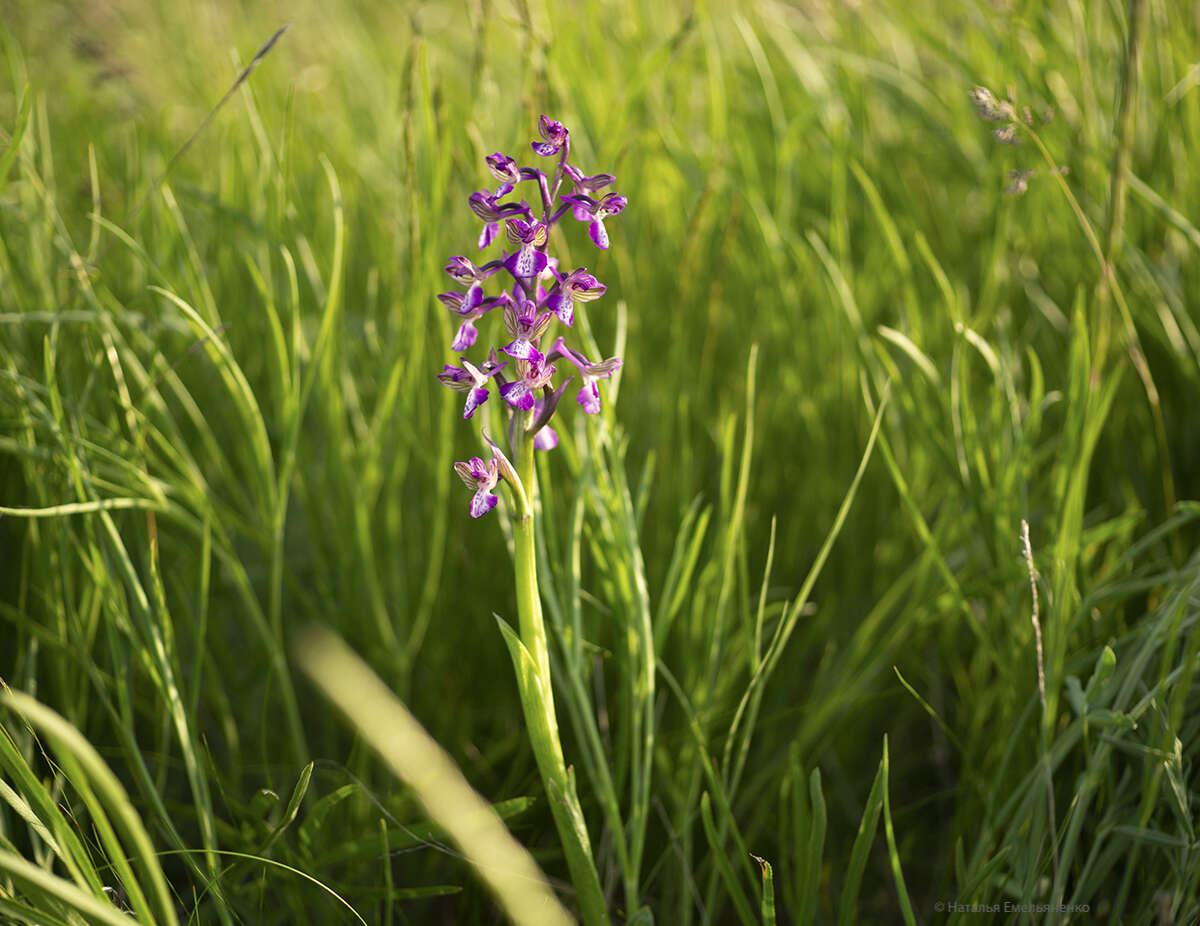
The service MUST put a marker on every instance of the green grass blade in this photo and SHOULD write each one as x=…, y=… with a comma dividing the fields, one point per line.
x=500, y=861
x=108, y=797
x=862, y=848
x=14, y=142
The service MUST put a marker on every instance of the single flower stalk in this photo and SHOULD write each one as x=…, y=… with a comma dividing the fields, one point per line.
x=535, y=296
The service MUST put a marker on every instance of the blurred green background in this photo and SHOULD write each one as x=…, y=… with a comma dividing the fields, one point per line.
x=810, y=180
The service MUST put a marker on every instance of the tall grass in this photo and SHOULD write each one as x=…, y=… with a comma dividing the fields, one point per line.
x=789, y=607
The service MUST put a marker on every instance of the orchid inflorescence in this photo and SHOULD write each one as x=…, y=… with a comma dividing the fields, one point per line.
x=540, y=295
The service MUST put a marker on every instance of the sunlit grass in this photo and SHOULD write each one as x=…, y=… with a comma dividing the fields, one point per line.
x=854, y=366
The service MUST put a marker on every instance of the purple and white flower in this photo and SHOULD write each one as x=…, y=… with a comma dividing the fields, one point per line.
x=534, y=295
x=469, y=306
x=576, y=286
x=587, y=209
x=589, y=395
x=526, y=327
x=465, y=273
x=530, y=237
x=489, y=208
x=588, y=185
x=505, y=170
x=554, y=135
x=472, y=380
x=480, y=478
x=534, y=373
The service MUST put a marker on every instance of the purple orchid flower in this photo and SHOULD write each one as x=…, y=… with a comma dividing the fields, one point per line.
x=590, y=210
x=535, y=373
x=505, y=170
x=489, y=208
x=469, y=306
x=480, y=478
x=534, y=295
x=576, y=286
x=588, y=185
x=464, y=272
x=555, y=135
x=472, y=380
x=525, y=326
x=589, y=395
x=528, y=260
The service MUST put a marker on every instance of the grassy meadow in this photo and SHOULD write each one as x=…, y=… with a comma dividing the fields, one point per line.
x=808, y=666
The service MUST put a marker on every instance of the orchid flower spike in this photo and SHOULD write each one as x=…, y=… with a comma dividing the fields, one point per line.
x=534, y=294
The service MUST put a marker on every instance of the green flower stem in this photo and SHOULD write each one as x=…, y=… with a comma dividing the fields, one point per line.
x=529, y=601
x=538, y=703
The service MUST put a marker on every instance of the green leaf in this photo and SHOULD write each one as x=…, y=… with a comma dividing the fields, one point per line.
x=293, y=805
x=14, y=146
x=810, y=869
x=1106, y=664
x=106, y=798
x=862, y=848
x=98, y=908
x=893, y=854
x=643, y=917
x=768, y=891
x=315, y=818
x=298, y=793
x=66, y=843
x=737, y=895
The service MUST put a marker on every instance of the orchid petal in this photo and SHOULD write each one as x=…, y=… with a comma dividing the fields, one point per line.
x=518, y=395
x=465, y=338
x=598, y=234
x=525, y=263
x=475, y=398
x=520, y=348
x=488, y=235
x=482, y=502
x=589, y=398
x=562, y=306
